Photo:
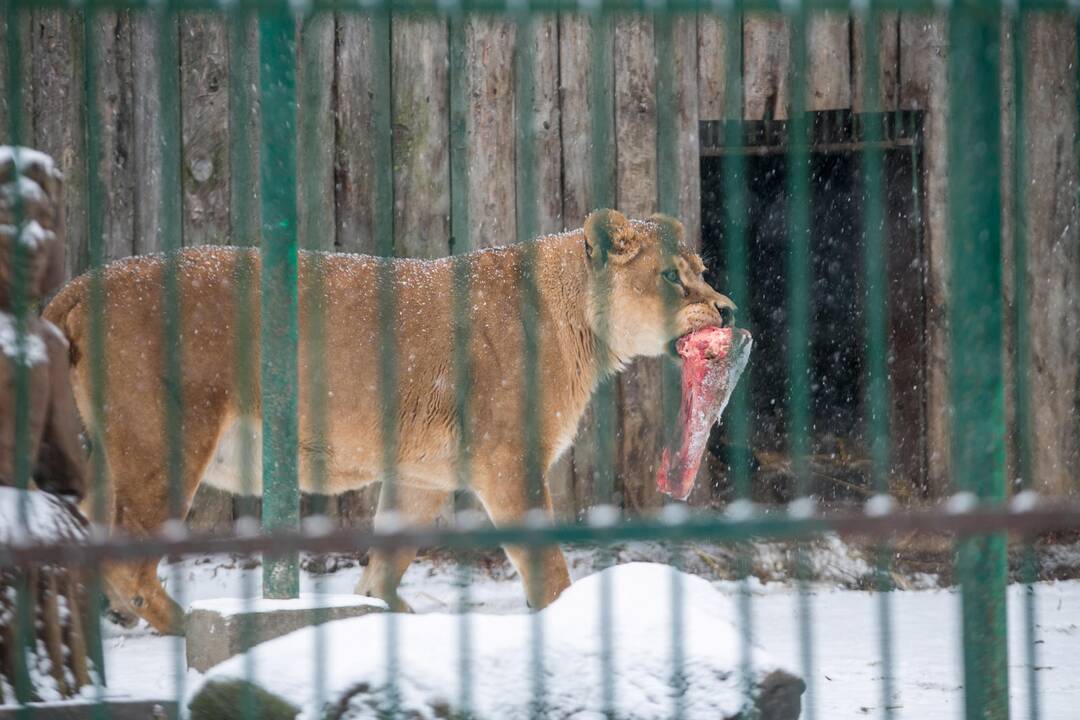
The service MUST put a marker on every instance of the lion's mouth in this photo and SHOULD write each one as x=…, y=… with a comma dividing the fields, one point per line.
x=713, y=360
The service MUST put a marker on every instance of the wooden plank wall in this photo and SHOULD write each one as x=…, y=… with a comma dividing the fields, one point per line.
x=337, y=91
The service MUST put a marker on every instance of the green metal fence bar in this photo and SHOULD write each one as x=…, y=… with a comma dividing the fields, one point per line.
x=798, y=323
x=980, y=520
x=384, y=231
x=667, y=202
x=244, y=230
x=601, y=188
x=736, y=264
x=976, y=322
x=1021, y=347
x=443, y=7
x=171, y=239
x=96, y=257
x=315, y=230
x=20, y=265
x=279, y=305
x=877, y=334
x=526, y=230
x=461, y=243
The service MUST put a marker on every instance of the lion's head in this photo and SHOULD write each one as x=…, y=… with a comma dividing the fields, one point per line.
x=655, y=289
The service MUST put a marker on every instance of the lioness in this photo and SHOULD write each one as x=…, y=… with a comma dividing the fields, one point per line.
x=571, y=359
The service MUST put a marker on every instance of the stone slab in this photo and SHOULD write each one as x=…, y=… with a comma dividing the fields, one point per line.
x=219, y=629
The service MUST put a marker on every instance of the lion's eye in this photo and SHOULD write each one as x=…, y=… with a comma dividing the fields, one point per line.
x=672, y=276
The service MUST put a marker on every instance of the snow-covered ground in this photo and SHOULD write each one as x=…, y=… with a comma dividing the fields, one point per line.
x=846, y=670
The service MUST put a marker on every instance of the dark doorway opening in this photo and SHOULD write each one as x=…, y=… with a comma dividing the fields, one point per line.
x=839, y=466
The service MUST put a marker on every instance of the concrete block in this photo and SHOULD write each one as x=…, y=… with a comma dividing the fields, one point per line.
x=218, y=629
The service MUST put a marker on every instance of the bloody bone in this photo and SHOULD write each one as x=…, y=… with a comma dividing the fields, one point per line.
x=713, y=360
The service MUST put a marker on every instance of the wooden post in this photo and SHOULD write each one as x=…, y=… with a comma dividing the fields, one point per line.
x=111, y=42
x=421, y=108
x=57, y=65
x=1050, y=227
x=923, y=86
x=490, y=123
x=766, y=56
x=639, y=387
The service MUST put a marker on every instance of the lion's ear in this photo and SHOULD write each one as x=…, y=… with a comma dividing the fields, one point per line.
x=672, y=231
x=609, y=236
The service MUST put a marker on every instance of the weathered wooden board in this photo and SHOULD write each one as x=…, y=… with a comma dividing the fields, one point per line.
x=639, y=389
x=923, y=86
x=354, y=176
x=829, y=58
x=204, y=93
x=110, y=37
x=58, y=117
x=146, y=118
x=888, y=49
x=490, y=128
x=244, y=122
x=766, y=58
x=421, y=107
x=579, y=198
x=24, y=22
x=714, y=37
x=1051, y=231
x=687, y=120
x=315, y=128
x=544, y=119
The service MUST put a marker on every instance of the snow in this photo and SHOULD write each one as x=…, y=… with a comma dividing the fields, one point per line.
x=33, y=235
x=28, y=349
x=641, y=618
x=307, y=601
x=27, y=157
x=847, y=666
x=46, y=519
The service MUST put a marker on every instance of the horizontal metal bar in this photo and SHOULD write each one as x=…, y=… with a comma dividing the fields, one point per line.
x=765, y=150
x=977, y=521
x=448, y=7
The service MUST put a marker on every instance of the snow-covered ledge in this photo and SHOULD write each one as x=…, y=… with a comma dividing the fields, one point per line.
x=428, y=685
x=218, y=629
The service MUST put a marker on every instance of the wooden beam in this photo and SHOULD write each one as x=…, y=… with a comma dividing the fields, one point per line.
x=204, y=93
x=923, y=77
x=421, y=108
x=490, y=127
x=1053, y=241
x=639, y=388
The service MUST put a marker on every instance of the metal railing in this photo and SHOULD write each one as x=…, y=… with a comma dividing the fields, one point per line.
x=978, y=317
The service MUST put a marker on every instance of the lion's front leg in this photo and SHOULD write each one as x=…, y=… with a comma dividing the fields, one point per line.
x=543, y=570
x=385, y=569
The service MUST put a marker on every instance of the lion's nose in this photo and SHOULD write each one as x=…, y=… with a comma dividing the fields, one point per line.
x=727, y=314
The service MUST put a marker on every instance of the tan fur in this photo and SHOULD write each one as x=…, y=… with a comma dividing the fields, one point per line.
x=570, y=360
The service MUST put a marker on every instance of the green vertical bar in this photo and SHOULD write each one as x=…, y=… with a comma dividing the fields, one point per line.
x=1021, y=347
x=96, y=259
x=602, y=103
x=171, y=229
x=737, y=264
x=461, y=244
x=20, y=263
x=387, y=300
x=798, y=350
x=527, y=227
x=877, y=385
x=244, y=231
x=313, y=308
x=976, y=372
x=667, y=201
x=278, y=321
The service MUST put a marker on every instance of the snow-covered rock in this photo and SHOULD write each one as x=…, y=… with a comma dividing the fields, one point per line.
x=429, y=660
